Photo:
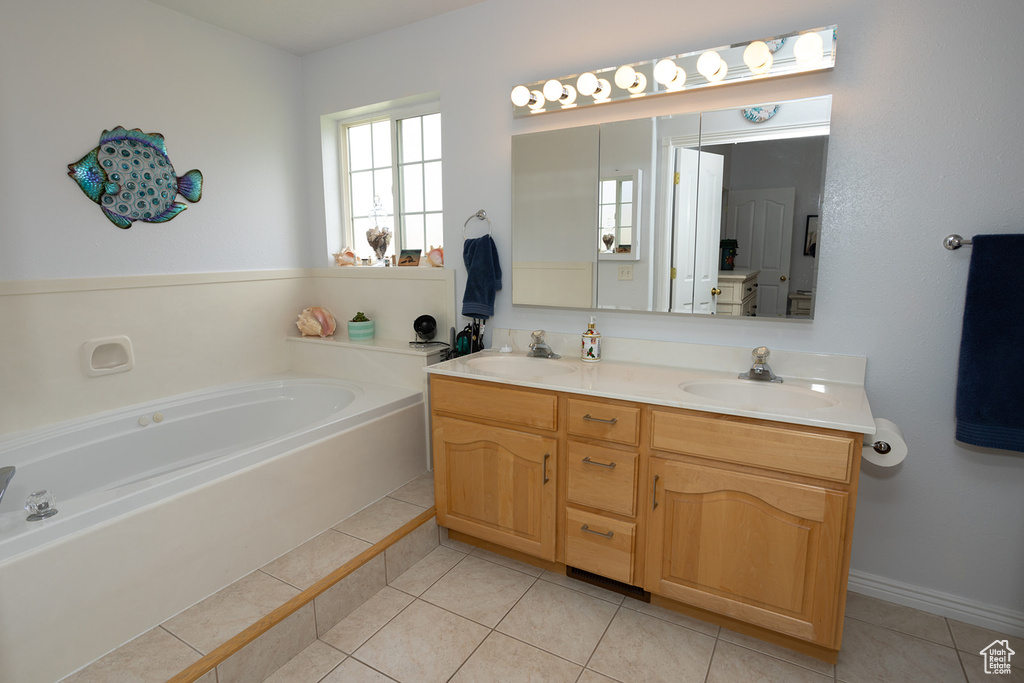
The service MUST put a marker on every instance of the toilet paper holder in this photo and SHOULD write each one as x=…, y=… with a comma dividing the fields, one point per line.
x=882, y=447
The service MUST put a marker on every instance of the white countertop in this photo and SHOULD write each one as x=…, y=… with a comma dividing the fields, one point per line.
x=660, y=385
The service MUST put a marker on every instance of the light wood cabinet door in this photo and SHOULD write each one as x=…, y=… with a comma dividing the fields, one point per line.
x=762, y=550
x=496, y=484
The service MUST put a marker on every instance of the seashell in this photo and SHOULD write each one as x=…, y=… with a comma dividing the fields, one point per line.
x=316, y=322
x=435, y=257
x=346, y=257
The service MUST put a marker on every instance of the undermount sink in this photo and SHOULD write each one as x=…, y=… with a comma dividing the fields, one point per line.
x=761, y=395
x=520, y=366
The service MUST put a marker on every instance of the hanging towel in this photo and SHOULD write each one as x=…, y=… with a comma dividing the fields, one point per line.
x=483, y=277
x=990, y=386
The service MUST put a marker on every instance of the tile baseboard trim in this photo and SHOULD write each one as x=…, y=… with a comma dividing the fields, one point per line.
x=992, y=617
x=221, y=653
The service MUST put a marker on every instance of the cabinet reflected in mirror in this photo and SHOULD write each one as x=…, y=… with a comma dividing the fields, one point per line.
x=675, y=187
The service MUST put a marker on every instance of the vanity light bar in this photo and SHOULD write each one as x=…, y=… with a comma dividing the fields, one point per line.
x=797, y=52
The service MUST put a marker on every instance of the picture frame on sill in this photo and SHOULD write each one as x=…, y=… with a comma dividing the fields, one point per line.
x=410, y=257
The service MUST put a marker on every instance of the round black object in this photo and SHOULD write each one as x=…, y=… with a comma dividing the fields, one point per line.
x=425, y=327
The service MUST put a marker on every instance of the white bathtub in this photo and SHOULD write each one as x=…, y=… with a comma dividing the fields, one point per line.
x=161, y=504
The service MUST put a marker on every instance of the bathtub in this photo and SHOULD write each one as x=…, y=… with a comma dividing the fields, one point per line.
x=163, y=503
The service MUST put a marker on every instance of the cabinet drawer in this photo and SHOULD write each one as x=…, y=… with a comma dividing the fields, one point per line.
x=602, y=478
x=607, y=421
x=599, y=544
x=786, y=449
x=494, y=402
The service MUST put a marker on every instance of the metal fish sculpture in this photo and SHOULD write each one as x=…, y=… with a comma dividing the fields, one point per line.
x=131, y=178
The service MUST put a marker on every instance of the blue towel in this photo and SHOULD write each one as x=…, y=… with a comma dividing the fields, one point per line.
x=990, y=386
x=483, y=277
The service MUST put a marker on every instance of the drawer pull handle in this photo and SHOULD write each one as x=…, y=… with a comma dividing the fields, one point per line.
x=654, y=493
x=596, y=533
x=610, y=465
x=597, y=419
x=546, y=456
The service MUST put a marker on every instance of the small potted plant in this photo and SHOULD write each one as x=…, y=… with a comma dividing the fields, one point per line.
x=360, y=328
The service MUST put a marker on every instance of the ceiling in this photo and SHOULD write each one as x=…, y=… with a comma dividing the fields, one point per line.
x=304, y=26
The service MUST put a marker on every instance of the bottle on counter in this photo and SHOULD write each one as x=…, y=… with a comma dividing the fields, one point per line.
x=591, y=349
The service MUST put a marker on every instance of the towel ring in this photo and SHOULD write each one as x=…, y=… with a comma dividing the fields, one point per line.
x=482, y=215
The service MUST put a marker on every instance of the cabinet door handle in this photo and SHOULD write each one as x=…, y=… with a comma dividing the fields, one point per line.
x=610, y=465
x=654, y=493
x=546, y=456
x=597, y=419
x=596, y=533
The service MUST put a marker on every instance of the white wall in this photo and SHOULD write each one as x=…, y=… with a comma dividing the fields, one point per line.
x=226, y=105
x=922, y=145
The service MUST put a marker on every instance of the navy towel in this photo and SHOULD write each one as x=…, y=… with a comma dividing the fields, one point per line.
x=990, y=387
x=483, y=277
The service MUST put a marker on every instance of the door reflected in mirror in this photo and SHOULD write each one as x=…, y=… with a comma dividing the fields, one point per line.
x=752, y=177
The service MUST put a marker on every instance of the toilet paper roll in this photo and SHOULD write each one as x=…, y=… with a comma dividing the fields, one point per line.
x=891, y=434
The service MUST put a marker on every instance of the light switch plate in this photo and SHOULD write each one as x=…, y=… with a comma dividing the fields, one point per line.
x=626, y=272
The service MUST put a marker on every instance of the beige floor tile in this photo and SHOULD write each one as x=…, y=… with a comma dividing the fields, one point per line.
x=506, y=562
x=898, y=617
x=875, y=654
x=777, y=651
x=972, y=639
x=424, y=573
x=377, y=520
x=338, y=601
x=500, y=658
x=212, y=621
x=637, y=647
x=479, y=590
x=352, y=671
x=316, y=558
x=453, y=544
x=733, y=663
x=670, y=615
x=271, y=650
x=367, y=619
x=589, y=676
x=155, y=656
x=419, y=491
x=411, y=549
x=583, y=587
x=974, y=667
x=562, y=621
x=423, y=644
x=309, y=666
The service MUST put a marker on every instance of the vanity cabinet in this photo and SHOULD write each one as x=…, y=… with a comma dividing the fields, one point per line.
x=496, y=482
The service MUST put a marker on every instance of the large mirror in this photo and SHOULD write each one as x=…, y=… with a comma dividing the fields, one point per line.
x=704, y=213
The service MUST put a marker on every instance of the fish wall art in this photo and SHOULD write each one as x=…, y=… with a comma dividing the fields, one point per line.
x=131, y=178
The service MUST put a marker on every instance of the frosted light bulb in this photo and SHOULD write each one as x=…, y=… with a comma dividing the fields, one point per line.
x=625, y=77
x=808, y=50
x=568, y=96
x=537, y=100
x=553, y=90
x=712, y=67
x=586, y=84
x=668, y=74
x=758, y=57
x=604, y=90
x=521, y=96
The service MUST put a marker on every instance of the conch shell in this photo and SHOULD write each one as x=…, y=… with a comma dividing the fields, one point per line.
x=316, y=322
x=435, y=257
x=346, y=257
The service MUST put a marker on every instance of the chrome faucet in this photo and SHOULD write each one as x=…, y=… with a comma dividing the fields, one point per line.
x=6, y=474
x=760, y=370
x=538, y=348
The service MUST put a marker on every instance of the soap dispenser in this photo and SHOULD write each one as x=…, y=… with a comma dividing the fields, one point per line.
x=591, y=348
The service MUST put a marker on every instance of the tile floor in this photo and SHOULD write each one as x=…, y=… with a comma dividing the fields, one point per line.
x=462, y=614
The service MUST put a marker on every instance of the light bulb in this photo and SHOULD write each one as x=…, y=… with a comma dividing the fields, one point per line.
x=808, y=50
x=712, y=67
x=553, y=90
x=668, y=74
x=521, y=96
x=587, y=84
x=604, y=90
x=568, y=98
x=758, y=57
x=625, y=77
x=537, y=100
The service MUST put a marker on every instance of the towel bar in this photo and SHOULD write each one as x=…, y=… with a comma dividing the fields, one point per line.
x=954, y=241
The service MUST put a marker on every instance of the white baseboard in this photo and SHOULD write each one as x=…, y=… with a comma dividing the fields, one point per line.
x=1004, y=621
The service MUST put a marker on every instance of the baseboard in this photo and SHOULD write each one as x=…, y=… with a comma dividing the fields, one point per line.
x=1004, y=621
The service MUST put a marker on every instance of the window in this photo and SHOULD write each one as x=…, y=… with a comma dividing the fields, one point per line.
x=392, y=178
x=617, y=231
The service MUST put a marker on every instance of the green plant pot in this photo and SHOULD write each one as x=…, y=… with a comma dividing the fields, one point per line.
x=360, y=331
